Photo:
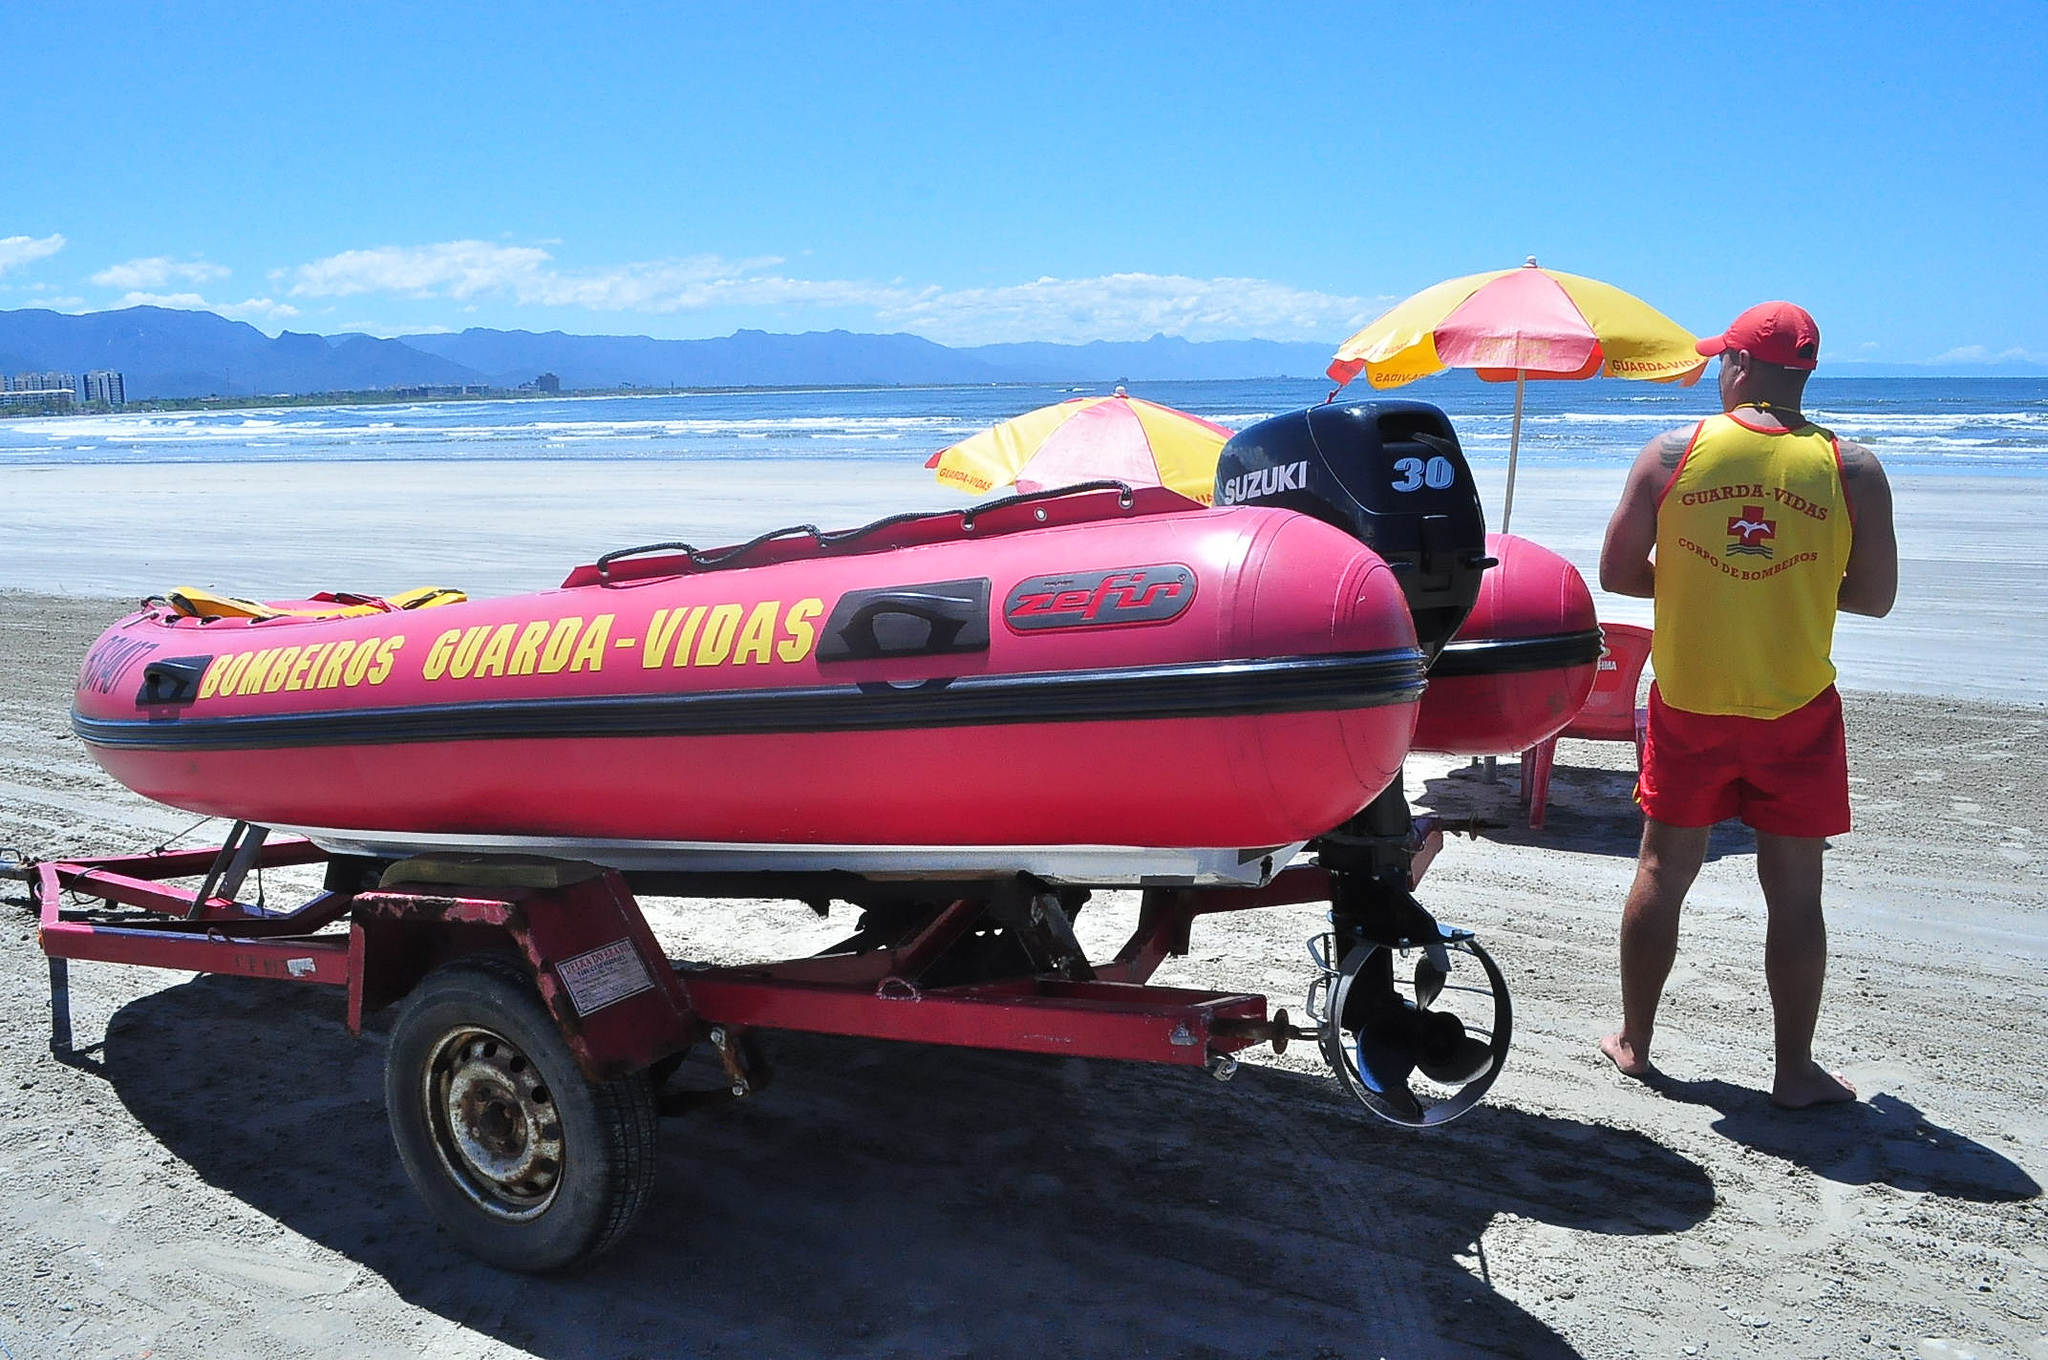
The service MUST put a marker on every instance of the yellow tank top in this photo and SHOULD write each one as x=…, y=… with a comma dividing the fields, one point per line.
x=1753, y=535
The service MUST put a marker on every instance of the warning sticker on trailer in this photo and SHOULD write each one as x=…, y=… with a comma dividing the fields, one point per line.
x=606, y=974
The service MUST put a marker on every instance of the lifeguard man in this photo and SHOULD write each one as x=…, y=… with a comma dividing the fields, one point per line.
x=1749, y=530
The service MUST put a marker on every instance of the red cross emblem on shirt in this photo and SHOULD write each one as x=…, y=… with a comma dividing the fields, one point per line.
x=1749, y=530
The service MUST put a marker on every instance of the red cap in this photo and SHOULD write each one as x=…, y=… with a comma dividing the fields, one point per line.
x=1775, y=332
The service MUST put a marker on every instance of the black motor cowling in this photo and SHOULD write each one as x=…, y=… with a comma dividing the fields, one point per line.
x=1391, y=474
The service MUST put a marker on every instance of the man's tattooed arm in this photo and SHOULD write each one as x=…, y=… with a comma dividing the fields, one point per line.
x=1671, y=448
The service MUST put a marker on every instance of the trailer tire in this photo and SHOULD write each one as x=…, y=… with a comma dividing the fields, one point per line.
x=527, y=1163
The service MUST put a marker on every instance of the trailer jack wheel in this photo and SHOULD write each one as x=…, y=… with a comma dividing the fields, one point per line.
x=1414, y=1043
x=525, y=1162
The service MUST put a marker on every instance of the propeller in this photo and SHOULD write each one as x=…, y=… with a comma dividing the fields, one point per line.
x=1447, y=1054
x=1429, y=981
x=1377, y=1036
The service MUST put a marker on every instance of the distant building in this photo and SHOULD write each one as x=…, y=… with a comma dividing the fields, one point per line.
x=547, y=382
x=38, y=393
x=104, y=386
x=429, y=391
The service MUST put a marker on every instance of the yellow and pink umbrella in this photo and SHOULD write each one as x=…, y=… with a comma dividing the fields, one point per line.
x=1120, y=437
x=1511, y=325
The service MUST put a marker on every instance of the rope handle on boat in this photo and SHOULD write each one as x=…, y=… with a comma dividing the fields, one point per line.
x=726, y=557
x=698, y=557
x=1123, y=500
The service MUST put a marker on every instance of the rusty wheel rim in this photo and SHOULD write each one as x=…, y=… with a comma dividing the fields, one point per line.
x=494, y=1123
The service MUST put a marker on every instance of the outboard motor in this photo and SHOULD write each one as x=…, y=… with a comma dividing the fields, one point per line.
x=1391, y=474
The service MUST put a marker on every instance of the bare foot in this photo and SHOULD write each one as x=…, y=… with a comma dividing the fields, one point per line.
x=1815, y=1086
x=1625, y=1058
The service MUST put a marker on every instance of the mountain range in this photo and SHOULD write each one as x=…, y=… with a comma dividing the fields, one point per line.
x=166, y=353
x=162, y=352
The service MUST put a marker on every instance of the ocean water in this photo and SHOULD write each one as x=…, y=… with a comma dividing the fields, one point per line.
x=1965, y=426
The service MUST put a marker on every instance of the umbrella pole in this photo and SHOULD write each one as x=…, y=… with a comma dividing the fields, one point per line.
x=1514, y=446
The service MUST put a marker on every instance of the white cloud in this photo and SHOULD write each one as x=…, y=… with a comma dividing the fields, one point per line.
x=457, y=269
x=183, y=302
x=1983, y=354
x=1112, y=307
x=383, y=330
x=157, y=271
x=253, y=309
x=1132, y=307
x=704, y=282
x=463, y=270
x=20, y=250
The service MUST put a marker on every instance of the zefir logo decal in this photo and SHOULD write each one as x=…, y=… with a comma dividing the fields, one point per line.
x=1100, y=599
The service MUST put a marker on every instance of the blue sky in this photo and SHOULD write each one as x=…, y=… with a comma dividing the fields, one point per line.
x=1062, y=172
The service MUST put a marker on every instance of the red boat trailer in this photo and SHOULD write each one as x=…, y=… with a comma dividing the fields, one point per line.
x=540, y=1018
x=579, y=927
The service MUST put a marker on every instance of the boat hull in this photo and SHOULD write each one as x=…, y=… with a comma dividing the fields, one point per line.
x=1126, y=673
x=1520, y=667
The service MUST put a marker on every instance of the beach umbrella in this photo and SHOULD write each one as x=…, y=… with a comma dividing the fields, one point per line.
x=1085, y=439
x=1512, y=325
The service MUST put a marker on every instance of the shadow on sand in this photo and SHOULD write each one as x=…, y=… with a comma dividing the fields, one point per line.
x=1591, y=811
x=894, y=1199
x=1882, y=1140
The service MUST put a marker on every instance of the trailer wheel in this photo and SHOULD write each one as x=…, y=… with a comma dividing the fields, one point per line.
x=524, y=1161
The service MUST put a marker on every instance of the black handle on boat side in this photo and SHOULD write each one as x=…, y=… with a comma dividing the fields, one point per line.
x=173, y=680
x=954, y=615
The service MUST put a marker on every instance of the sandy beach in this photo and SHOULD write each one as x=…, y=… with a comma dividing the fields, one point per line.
x=214, y=1176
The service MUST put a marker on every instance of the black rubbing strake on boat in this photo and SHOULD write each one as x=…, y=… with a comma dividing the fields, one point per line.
x=1188, y=690
x=1506, y=656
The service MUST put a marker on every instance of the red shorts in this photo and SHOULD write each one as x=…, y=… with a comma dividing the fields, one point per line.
x=1788, y=775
